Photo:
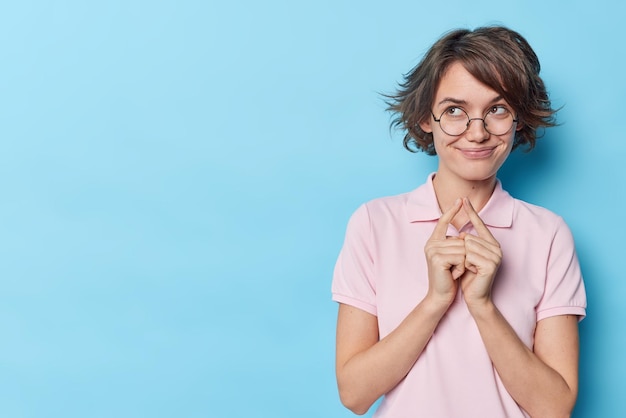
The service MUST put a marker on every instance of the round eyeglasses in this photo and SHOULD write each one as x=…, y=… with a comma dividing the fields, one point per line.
x=497, y=121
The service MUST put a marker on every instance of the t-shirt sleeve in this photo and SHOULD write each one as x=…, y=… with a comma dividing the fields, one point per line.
x=353, y=279
x=564, y=291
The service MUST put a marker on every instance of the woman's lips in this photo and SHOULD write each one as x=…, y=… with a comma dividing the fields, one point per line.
x=478, y=153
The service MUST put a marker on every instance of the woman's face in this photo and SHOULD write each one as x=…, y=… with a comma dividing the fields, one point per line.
x=474, y=155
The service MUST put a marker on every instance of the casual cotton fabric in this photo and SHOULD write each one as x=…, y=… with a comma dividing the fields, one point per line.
x=382, y=270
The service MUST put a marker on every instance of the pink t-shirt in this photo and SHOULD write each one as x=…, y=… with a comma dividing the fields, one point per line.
x=382, y=270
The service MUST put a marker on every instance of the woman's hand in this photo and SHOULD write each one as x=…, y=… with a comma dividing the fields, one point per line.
x=483, y=256
x=445, y=257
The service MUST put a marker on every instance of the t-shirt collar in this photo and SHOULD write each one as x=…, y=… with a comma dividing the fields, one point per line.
x=422, y=205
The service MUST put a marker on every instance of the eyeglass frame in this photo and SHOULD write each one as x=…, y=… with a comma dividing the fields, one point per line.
x=469, y=120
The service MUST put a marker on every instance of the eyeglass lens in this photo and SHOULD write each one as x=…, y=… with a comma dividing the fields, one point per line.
x=498, y=121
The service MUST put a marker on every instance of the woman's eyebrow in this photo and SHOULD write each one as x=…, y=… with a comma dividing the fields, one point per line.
x=452, y=100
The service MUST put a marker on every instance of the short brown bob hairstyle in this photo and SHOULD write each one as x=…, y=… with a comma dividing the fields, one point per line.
x=497, y=57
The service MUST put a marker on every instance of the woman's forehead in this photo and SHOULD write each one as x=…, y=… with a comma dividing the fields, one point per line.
x=458, y=86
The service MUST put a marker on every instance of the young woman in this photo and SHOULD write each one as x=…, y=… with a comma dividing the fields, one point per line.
x=455, y=299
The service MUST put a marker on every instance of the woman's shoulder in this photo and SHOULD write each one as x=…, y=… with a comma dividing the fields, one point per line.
x=390, y=201
x=381, y=209
x=541, y=216
x=534, y=208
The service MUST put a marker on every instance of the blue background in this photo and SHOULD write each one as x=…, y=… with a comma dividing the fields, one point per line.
x=176, y=178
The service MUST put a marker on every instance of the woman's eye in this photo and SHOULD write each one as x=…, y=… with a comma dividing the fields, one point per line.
x=454, y=111
x=499, y=111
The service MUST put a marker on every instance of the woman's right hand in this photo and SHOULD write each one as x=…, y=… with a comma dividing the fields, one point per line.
x=369, y=367
x=445, y=257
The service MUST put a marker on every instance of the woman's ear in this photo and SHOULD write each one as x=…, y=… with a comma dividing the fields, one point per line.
x=519, y=126
x=426, y=126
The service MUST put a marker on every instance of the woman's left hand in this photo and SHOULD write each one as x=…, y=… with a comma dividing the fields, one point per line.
x=483, y=256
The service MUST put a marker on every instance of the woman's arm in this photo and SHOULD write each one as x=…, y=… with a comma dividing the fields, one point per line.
x=368, y=368
x=543, y=382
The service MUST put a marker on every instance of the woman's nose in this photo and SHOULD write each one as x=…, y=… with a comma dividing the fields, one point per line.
x=476, y=132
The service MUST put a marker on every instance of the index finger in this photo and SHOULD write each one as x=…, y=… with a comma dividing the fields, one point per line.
x=478, y=223
x=442, y=224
